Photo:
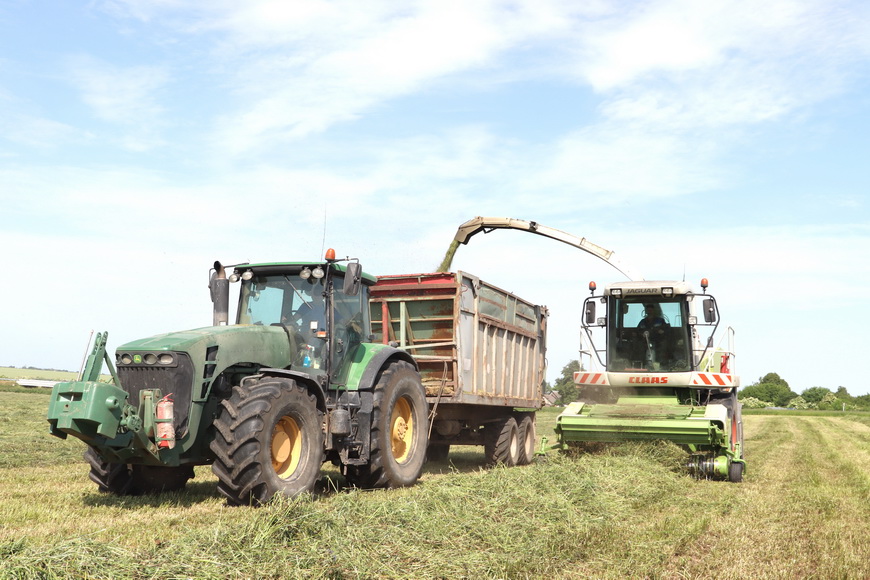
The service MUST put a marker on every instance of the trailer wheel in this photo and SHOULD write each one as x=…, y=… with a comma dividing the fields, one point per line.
x=502, y=442
x=527, y=440
x=398, y=436
x=438, y=452
x=268, y=440
x=122, y=479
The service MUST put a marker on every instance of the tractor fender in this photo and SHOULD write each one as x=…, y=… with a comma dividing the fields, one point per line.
x=303, y=379
x=377, y=363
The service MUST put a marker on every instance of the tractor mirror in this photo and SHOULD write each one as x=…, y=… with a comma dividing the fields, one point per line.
x=352, y=278
x=589, y=312
x=709, y=310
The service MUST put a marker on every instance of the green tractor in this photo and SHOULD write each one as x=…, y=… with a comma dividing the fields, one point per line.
x=296, y=381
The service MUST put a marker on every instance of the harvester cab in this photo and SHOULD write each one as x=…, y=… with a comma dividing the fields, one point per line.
x=653, y=371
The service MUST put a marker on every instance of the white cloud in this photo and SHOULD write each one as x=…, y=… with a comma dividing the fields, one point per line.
x=127, y=96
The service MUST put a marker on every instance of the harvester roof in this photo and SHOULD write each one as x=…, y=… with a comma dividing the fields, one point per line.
x=648, y=288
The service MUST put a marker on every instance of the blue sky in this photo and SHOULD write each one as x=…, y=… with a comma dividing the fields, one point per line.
x=140, y=141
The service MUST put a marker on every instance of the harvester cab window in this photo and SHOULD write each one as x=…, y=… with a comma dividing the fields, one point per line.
x=649, y=335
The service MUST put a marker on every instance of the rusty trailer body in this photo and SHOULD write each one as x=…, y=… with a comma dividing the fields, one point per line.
x=481, y=353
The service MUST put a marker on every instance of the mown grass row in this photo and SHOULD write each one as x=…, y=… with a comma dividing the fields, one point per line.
x=628, y=511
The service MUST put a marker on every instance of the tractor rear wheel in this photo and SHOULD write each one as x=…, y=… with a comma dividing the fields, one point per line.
x=268, y=440
x=527, y=439
x=399, y=427
x=502, y=442
x=122, y=479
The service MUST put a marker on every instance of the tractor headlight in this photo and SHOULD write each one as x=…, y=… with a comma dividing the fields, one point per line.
x=317, y=272
x=160, y=359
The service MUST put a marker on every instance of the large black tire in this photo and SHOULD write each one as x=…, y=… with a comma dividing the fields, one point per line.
x=735, y=472
x=110, y=477
x=526, y=439
x=268, y=440
x=502, y=442
x=438, y=452
x=399, y=431
x=122, y=479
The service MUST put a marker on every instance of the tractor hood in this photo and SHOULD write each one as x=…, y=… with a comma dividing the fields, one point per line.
x=184, y=339
x=223, y=345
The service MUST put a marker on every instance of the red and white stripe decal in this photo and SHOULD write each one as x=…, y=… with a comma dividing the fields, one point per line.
x=582, y=378
x=712, y=380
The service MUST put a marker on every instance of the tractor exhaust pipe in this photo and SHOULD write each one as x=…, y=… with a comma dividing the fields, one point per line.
x=220, y=294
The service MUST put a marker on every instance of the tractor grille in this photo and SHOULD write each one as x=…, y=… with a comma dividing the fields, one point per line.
x=177, y=381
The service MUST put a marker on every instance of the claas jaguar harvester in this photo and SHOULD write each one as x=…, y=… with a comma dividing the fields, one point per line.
x=655, y=372
x=657, y=375
x=300, y=379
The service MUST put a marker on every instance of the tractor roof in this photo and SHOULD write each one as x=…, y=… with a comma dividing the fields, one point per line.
x=283, y=267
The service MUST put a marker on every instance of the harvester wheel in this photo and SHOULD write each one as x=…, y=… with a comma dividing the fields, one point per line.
x=502, y=442
x=527, y=440
x=399, y=426
x=122, y=479
x=735, y=472
x=268, y=440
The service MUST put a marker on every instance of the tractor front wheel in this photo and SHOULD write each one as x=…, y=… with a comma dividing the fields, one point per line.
x=268, y=440
x=123, y=479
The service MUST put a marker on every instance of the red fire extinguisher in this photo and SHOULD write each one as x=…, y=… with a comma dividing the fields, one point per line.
x=165, y=416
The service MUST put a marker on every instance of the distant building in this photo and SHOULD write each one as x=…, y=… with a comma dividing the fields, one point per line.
x=36, y=383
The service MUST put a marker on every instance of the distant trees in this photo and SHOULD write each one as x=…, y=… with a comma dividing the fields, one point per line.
x=771, y=390
x=565, y=383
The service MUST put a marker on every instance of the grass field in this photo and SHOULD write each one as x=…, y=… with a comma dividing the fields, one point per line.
x=803, y=511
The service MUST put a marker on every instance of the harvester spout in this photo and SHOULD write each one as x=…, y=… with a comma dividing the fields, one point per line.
x=487, y=224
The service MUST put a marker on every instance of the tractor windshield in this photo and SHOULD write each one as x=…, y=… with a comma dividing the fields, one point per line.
x=280, y=299
x=649, y=335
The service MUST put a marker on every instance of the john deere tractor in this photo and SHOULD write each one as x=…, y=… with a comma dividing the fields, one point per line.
x=294, y=382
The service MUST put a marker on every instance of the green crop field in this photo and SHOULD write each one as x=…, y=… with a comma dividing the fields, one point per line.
x=803, y=511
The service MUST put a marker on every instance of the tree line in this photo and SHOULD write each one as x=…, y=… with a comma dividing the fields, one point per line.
x=771, y=390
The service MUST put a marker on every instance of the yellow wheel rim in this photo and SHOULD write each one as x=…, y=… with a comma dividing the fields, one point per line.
x=286, y=446
x=401, y=430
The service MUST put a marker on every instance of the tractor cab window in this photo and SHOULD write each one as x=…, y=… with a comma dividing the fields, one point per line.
x=351, y=324
x=295, y=303
x=283, y=299
x=649, y=335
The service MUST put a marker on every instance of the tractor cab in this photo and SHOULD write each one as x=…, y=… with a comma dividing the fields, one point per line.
x=322, y=307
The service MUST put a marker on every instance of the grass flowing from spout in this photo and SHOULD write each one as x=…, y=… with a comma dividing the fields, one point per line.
x=448, y=257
